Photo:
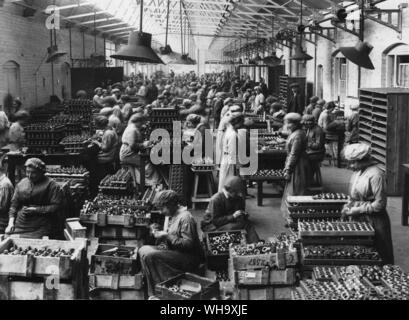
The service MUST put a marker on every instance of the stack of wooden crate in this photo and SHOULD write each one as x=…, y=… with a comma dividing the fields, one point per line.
x=115, y=274
x=262, y=275
x=43, y=269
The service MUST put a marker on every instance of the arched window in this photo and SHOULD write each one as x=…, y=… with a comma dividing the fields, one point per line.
x=11, y=71
x=396, y=66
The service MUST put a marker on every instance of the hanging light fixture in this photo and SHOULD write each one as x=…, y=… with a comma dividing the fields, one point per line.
x=166, y=49
x=273, y=60
x=300, y=54
x=359, y=54
x=139, y=47
x=257, y=59
x=53, y=53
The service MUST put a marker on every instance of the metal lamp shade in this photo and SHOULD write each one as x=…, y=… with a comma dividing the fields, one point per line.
x=272, y=60
x=54, y=54
x=138, y=49
x=300, y=54
x=359, y=54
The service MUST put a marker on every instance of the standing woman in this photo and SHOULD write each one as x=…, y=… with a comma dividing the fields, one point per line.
x=368, y=197
x=229, y=160
x=17, y=136
x=6, y=194
x=296, y=164
x=177, y=250
x=35, y=205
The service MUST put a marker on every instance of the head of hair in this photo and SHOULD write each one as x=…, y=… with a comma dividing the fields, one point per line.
x=101, y=122
x=166, y=198
x=81, y=94
x=330, y=105
x=125, y=98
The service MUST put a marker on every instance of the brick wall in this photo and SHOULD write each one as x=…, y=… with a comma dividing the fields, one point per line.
x=25, y=41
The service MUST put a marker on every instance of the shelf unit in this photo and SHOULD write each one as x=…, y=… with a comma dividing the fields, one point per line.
x=285, y=90
x=384, y=124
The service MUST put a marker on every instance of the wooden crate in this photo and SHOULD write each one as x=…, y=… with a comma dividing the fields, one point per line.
x=262, y=293
x=219, y=261
x=31, y=266
x=75, y=229
x=265, y=276
x=116, y=281
x=283, y=277
x=26, y=290
x=123, y=294
x=251, y=262
x=119, y=232
x=107, y=265
x=209, y=289
x=282, y=293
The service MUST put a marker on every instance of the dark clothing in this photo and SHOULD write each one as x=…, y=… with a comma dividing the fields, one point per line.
x=295, y=104
x=152, y=94
x=46, y=196
x=316, y=113
x=315, y=143
x=296, y=165
x=6, y=194
x=225, y=86
x=183, y=254
x=218, y=106
x=352, y=128
x=219, y=216
x=264, y=89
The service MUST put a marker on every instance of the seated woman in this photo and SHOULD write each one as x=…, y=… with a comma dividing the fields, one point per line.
x=226, y=211
x=177, y=250
x=132, y=144
x=35, y=204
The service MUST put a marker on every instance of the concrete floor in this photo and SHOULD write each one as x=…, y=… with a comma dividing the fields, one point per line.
x=268, y=220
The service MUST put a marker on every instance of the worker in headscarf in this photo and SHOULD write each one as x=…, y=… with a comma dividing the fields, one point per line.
x=131, y=90
x=81, y=94
x=295, y=103
x=352, y=126
x=177, y=249
x=227, y=211
x=313, y=103
x=296, y=164
x=35, y=204
x=318, y=109
x=17, y=136
x=116, y=94
x=259, y=101
x=315, y=145
x=98, y=99
x=368, y=197
x=229, y=164
x=6, y=194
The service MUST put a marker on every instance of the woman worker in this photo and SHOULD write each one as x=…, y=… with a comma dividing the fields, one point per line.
x=6, y=194
x=177, y=250
x=226, y=211
x=368, y=197
x=132, y=144
x=35, y=204
x=229, y=160
x=296, y=164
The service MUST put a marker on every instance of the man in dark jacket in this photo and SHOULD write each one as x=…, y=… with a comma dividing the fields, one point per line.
x=295, y=103
x=226, y=211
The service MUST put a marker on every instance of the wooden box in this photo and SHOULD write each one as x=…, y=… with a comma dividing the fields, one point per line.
x=282, y=293
x=283, y=277
x=219, y=261
x=32, y=266
x=124, y=294
x=262, y=293
x=119, y=232
x=253, y=277
x=209, y=289
x=107, y=265
x=116, y=281
x=75, y=229
x=258, y=261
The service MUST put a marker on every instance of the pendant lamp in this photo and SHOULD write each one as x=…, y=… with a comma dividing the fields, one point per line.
x=359, y=54
x=272, y=60
x=53, y=53
x=166, y=49
x=139, y=47
x=300, y=54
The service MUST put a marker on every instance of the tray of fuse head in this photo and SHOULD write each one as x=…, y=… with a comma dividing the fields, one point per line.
x=330, y=201
x=334, y=229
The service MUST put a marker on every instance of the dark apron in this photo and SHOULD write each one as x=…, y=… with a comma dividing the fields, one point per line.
x=33, y=226
x=383, y=238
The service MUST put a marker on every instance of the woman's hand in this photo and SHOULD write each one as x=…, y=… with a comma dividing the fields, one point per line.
x=354, y=211
x=238, y=214
x=146, y=144
x=10, y=229
x=159, y=234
